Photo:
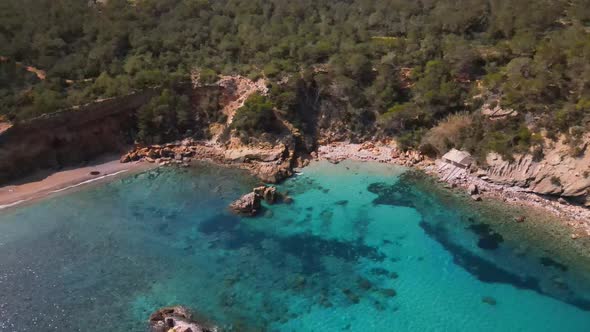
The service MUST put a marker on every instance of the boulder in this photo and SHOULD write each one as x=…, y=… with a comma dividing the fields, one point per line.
x=177, y=319
x=473, y=189
x=167, y=152
x=153, y=153
x=248, y=204
x=259, y=190
x=273, y=172
x=131, y=156
x=126, y=158
x=476, y=198
x=520, y=219
x=268, y=193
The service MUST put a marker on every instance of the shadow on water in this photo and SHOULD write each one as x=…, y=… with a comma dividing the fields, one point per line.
x=547, y=261
x=489, y=272
x=406, y=193
x=396, y=195
x=488, y=239
x=309, y=249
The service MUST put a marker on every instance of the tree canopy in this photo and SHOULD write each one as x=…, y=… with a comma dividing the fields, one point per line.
x=410, y=62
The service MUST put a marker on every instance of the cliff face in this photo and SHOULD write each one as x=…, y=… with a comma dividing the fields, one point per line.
x=69, y=137
x=558, y=173
x=75, y=136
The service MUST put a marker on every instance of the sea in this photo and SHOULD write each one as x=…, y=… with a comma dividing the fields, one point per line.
x=361, y=247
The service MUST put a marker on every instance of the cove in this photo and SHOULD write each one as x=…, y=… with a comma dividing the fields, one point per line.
x=363, y=247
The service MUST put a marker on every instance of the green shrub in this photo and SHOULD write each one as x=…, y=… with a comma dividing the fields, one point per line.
x=208, y=76
x=255, y=117
x=447, y=133
x=523, y=137
x=501, y=143
x=166, y=117
x=271, y=70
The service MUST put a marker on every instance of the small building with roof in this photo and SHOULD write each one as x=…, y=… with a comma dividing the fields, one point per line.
x=458, y=158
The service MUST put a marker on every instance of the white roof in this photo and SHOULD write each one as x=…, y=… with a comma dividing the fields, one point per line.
x=458, y=157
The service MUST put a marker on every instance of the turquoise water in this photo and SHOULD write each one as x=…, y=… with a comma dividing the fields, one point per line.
x=363, y=247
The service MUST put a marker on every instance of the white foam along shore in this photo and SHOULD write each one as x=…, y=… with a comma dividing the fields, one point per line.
x=51, y=183
x=5, y=206
x=88, y=181
x=575, y=217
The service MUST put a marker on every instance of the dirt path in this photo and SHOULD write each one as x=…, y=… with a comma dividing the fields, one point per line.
x=41, y=74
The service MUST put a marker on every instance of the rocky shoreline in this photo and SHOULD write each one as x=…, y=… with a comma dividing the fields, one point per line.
x=577, y=218
x=273, y=164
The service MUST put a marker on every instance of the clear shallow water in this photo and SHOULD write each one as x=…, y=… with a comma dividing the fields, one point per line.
x=364, y=247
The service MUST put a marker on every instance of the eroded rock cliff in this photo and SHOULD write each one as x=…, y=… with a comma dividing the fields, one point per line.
x=75, y=136
x=69, y=137
x=558, y=173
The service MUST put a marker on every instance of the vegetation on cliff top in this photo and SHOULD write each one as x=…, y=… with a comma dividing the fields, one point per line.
x=402, y=65
x=255, y=117
x=164, y=118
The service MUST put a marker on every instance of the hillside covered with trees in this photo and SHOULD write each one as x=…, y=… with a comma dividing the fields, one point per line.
x=418, y=70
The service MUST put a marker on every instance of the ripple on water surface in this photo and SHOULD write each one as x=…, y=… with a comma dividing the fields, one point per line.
x=364, y=247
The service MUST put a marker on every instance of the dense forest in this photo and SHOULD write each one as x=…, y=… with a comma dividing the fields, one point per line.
x=419, y=70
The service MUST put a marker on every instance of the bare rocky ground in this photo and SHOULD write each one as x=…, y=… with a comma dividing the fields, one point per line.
x=574, y=216
x=270, y=163
x=4, y=125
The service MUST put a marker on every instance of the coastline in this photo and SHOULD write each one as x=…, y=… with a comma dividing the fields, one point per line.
x=575, y=218
x=45, y=184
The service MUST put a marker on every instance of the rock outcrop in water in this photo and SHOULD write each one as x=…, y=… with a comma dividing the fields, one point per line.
x=269, y=194
x=177, y=319
x=248, y=205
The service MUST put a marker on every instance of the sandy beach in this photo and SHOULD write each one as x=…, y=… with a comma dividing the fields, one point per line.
x=47, y=183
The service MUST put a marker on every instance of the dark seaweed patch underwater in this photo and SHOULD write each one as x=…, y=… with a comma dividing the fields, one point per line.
x=364, y=247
